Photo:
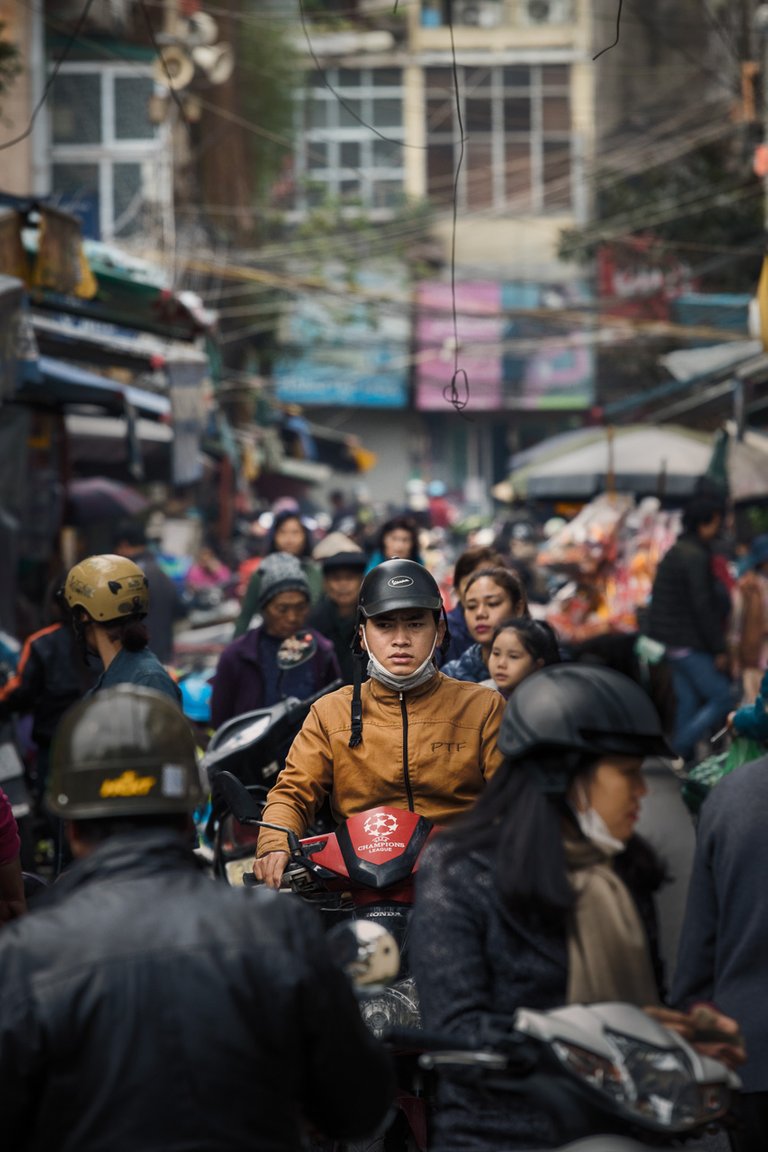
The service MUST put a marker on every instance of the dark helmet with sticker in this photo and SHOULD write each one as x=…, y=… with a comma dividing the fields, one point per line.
x=396, y=584
x=124, y=751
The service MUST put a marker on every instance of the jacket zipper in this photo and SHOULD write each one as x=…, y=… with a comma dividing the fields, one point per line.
x=406, y=774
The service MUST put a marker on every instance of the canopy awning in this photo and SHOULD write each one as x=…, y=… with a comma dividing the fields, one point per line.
x=63, y=384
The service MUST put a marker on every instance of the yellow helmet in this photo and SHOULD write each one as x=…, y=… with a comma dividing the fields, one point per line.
x=108, y=588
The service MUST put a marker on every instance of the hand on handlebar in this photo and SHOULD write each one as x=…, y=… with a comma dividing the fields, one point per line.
x=269, y=869
x=709, y=1031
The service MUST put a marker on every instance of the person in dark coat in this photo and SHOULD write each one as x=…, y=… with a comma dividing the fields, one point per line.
x=144, y=1006
x=542, y=894
x=167, y=605
x=335, y=615
x=686, y=615
x=724, y=940
x=247, y=675
x=108, y=601
x=51, y=675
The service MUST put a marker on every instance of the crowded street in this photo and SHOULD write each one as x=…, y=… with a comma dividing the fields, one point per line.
x=383, y=575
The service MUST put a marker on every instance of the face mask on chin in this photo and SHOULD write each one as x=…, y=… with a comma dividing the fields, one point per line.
x=595, y=829
x=419, y=676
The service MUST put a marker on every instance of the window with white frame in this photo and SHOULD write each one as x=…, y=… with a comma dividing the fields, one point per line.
x=108, y=161
x=517, y=137
x=349, y=143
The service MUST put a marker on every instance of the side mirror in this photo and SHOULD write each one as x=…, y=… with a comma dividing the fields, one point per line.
x=366, y=952
x=247, y=809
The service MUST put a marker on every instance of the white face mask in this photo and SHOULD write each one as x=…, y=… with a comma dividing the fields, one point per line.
x=425, y=671
x=595, y=828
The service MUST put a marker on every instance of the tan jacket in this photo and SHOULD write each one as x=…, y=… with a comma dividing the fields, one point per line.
x=431, y=750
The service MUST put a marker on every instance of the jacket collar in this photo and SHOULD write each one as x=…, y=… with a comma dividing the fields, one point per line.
x=383, y=694
x=138, y=853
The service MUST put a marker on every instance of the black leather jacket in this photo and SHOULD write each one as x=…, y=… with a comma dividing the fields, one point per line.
x=146, y=1008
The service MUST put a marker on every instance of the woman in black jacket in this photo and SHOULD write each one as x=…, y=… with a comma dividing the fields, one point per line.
x=543, y=895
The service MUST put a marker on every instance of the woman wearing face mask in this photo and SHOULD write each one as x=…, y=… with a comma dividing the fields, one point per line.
x=491, y=595
x=542, y=895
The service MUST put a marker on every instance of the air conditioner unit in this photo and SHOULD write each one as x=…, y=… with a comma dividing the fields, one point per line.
x=478, y=13
x=546, y=11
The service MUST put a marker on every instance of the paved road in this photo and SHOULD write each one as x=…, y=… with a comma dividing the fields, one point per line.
x=666, y=823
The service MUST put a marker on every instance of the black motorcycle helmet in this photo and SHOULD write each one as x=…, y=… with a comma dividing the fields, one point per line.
x=389, y=587
x=397, y=584
x=580, y=710
x=124, y=751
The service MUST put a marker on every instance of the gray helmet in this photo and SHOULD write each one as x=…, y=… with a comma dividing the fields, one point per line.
x=125, y=751
x=584, y=709
x=397, y=584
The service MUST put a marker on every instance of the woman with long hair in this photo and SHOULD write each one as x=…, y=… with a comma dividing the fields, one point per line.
x=490, y=596
x=542, y=894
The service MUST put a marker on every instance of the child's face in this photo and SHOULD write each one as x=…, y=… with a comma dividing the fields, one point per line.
x=509, y=663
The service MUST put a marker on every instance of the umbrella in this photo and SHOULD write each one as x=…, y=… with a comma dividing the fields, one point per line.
x=97, y=498
x=667, y=460
x=636, y=458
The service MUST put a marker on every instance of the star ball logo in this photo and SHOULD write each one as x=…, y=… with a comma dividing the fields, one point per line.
x=380, y=824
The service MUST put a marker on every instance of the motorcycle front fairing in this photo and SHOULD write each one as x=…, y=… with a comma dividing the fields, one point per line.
x=613, y=1060
x=376, y=849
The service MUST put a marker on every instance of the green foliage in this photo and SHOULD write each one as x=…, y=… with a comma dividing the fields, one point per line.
x=271, y=73
x=700, y=208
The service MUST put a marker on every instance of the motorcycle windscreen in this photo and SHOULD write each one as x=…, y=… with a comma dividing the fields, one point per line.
x=381, y=846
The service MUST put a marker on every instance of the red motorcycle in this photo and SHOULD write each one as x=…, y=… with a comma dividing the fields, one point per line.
x=364, y=870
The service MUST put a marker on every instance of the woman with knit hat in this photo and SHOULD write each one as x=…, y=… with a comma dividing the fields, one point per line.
x=288, y=534
x=247, y=675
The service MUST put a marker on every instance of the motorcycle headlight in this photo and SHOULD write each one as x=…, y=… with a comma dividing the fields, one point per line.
x=395, y=1007
x=657, y=1085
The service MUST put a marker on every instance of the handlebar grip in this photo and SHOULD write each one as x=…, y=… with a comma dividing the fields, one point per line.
x=250, y=881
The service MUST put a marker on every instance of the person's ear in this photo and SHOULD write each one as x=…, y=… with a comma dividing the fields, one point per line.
x=440, y=632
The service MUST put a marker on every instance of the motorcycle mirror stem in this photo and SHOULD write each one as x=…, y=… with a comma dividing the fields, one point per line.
x=246, y=810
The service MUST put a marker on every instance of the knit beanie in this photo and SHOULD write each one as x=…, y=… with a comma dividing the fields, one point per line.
x=280, y=572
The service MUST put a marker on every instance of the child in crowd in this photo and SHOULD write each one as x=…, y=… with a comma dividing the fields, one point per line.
x=520, y=646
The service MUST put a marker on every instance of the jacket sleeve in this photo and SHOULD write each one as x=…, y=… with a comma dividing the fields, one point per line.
x=249, y=605
x=222, y=690
x=348, y=1081
x=448, y=951
x=703, y=603
x=752, y=719
x=21, y=1045
x=694, y=977
x=491, y=756
x=302, y=785
x=21, y=691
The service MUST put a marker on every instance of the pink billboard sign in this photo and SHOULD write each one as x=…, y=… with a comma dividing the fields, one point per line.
x=480, y=337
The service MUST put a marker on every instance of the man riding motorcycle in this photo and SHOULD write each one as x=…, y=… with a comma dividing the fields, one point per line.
x=409, y=736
